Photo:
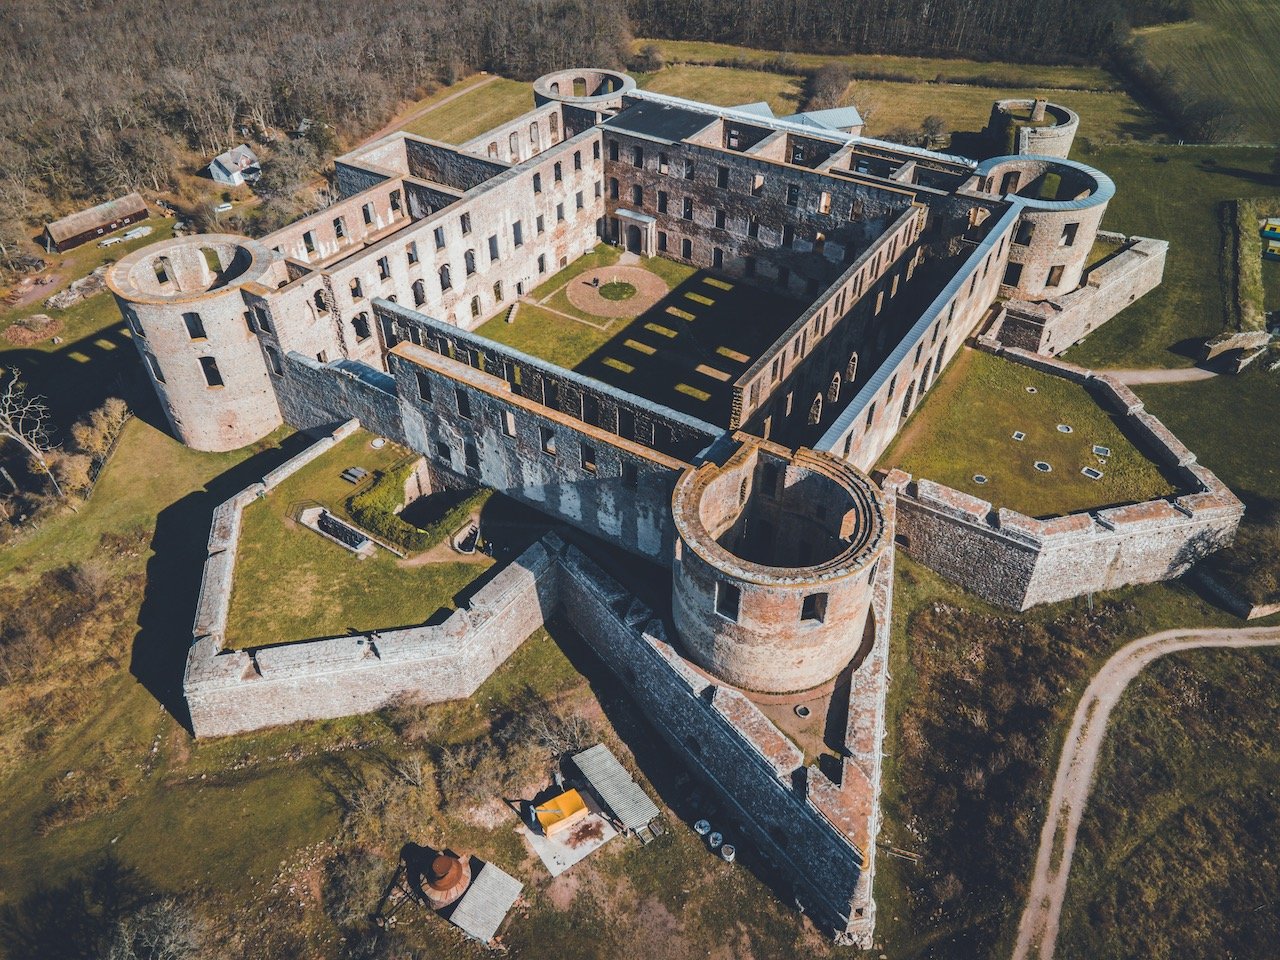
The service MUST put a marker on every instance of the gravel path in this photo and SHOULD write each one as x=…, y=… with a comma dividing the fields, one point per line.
x=1038, y=930
x=650, y=288
x=1182, y=375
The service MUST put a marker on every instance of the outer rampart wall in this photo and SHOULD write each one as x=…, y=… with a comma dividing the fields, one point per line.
x=725, y=738
x=231, y=691
x=1018, y=561
x=1108, y=287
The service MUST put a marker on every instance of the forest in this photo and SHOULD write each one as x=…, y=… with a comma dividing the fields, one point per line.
x=99, y=97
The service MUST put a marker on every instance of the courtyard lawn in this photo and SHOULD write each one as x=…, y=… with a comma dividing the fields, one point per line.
x=684, y=351
x=965, y=427
x=292, y=584
x=480, y=109
x=1171, y=193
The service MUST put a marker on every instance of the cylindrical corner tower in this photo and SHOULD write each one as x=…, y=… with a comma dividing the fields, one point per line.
x=1032, y=127
x=589, y=88
x=1062, y=206
x=775, y=556
x=183, y=302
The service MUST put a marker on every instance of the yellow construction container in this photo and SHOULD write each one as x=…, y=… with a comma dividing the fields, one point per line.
x=561, y=813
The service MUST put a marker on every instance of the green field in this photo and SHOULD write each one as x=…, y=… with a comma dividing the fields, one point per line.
x=292, y=584
x=482, y=108
x=1179, y=848
x=1231, y=50
x=888, y=106
x=727, y=87
x=1173, y=194
x=923, y=69
x=965, y=426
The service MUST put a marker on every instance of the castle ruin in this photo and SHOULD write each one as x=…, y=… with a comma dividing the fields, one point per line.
x=780, y=544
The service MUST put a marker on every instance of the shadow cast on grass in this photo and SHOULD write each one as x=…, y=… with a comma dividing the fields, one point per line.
x=75, y=919
x=174, y=573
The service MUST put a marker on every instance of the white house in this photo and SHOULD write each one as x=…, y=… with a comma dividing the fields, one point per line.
x=237, y=166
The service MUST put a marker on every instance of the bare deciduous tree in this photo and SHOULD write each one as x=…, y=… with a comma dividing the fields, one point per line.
x=25, y=420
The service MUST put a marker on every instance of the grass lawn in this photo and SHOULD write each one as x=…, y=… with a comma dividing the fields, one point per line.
x=978, y=709
x=1231, y=49
x=683, y=352
x=1174, y=200
x=292, y=584
x=965, y=427
x=485, y=107
x=149, y=473
x=1229, y=422
x=1184, y=820
x=1111, y=115
x=920, y=68
x=727, y=87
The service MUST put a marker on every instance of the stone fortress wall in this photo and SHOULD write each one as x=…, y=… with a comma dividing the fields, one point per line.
x=1050, y=326
x=818, y=833
x=366, y=309
x=1017, y=561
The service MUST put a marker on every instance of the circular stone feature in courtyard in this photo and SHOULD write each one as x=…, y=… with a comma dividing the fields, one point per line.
x=1043, y=467
x=608, y=299
x=618, y=290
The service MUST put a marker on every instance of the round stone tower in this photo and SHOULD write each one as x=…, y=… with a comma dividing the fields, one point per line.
x=186, y=309
x=1062, y=205
x=1032, y=126
x=589, y=88
x=775, y=554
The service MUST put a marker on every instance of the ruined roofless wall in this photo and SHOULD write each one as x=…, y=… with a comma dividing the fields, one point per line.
x=1016, y=561
x=725, y=738
x=1109, y=286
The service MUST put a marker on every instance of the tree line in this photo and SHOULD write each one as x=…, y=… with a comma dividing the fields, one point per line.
x=1061, y=31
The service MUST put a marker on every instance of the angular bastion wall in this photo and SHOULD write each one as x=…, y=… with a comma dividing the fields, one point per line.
x=1018, y=561
x=819, y=834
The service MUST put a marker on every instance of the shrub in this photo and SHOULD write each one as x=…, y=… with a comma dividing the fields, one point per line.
x=376, y=510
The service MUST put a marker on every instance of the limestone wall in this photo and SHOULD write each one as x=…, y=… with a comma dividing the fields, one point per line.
x=234, y=691
x=314, y=396
x=472, y=425
x=725, y=739
x=1017, y=561
x=1107, y=288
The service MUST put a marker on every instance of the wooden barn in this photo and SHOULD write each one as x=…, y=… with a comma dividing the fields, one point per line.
x=78, y=228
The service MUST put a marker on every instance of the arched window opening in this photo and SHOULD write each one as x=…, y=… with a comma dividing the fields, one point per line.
x=446, y=282
x=833, y=391
x=851, y=373
x=470, y=258
x=815, y=410
x=419, y=293
x=475, y=306
x=322, y=306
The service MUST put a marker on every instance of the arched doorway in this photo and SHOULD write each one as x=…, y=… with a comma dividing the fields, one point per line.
x=634, y=243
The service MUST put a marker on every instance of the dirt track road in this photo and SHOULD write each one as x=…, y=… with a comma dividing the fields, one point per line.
x=1038, y=929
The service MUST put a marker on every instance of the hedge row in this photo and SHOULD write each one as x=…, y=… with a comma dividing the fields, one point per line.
x=375, y=509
